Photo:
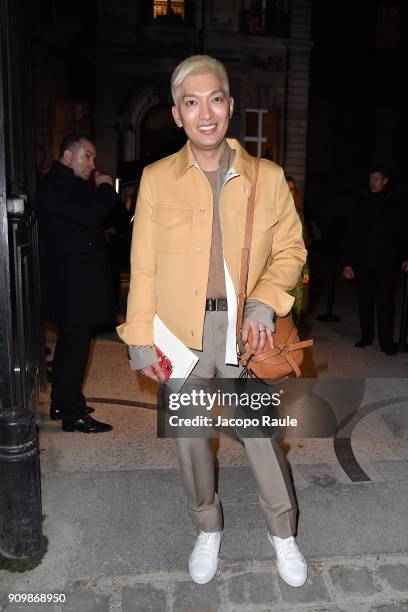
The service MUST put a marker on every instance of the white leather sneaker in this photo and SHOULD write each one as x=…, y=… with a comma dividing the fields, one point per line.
x=291, y=563
x=204, y=558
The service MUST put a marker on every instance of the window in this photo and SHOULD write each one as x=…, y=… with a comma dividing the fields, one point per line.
x=262, y=133
x=168, y=8
x=265, y=18
x=389, y=20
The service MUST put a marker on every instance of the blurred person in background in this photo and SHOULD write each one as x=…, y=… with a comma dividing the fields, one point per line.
x=377, y=236
x=301, y=291
x=75, y=274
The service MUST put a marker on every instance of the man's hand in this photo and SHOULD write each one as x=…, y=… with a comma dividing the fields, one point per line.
x=348, y=272
x=260, y=334
x=103, y=178
x=405, y=266
x=154, y=372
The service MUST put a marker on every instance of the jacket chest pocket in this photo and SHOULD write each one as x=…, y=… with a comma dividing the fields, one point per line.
x=262, y=233
x=172, y=228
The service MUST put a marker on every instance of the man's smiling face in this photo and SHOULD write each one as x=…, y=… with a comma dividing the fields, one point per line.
x=203, y=110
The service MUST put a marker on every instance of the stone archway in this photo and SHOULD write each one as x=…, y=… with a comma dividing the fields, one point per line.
x=148, y=113
x=158, y=134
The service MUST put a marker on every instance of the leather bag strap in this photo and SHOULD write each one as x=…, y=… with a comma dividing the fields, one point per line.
x=245, y=252
x=281, y=350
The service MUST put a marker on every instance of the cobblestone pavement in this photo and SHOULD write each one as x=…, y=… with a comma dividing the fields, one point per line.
x=114, y=546
x=372, y=583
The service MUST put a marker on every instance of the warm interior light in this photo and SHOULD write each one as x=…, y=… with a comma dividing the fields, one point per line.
x=163, y=8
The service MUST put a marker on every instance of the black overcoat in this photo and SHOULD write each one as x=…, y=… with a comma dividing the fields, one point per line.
x=75, y=274
x=377, y=233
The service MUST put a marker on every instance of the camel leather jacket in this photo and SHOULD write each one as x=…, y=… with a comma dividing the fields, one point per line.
x=172, y=239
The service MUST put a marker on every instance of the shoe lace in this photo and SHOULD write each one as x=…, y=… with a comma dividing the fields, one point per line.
x=206, y=543
x=288, y=548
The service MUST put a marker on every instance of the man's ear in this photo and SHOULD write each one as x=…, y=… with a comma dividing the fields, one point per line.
x=67, y=157
x=176, y=116
x=385, y=180
x=231, y=104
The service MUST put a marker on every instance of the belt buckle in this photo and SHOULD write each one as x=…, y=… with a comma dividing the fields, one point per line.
x=212, y=304
x=222, y=304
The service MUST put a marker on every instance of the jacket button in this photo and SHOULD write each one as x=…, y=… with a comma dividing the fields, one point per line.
x=199, y=249
x=191, y=332
x=202, y=210
x=195, y=291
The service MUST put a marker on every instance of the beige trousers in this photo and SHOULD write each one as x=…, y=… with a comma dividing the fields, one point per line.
x=266, y=458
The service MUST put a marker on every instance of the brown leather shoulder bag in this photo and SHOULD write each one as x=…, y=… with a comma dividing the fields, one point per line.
x=287, y=355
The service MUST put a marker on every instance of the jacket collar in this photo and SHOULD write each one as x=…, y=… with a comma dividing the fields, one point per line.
x=61, y=169
x=243, y=162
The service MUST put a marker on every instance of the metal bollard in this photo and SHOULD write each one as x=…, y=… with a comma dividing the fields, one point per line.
x=20, y=492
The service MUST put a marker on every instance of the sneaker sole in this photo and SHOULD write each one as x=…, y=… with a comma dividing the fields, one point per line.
x=204, y=580
x=291, y=582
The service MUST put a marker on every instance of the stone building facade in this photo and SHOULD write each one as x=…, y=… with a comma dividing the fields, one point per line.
x=106, y=64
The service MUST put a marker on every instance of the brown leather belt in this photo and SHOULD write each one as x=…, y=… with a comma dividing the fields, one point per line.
x=214, y=304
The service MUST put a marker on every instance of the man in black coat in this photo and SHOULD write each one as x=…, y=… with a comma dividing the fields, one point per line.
x=76, y=279
x=376, y=239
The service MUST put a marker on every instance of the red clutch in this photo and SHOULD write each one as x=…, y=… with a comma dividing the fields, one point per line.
x=165, y=363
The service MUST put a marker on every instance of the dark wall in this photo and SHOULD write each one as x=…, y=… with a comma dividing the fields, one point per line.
x=357, y=98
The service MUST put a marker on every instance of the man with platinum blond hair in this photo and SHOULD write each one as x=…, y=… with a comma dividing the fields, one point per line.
x=186, y=249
